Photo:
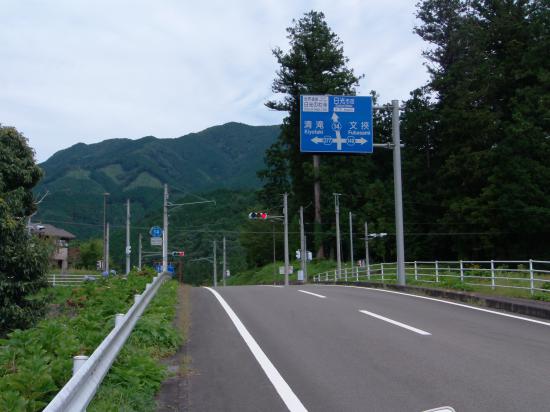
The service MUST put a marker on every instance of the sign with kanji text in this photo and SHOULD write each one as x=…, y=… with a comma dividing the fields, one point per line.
x=336, y=124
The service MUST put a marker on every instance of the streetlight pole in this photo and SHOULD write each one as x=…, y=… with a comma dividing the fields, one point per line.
x=338, y=250
x=367, y=262
x=285, y=213
x=303, y=254
x=351, y=240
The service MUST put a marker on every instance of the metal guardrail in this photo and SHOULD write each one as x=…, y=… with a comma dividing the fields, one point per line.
x=529, y=275
x=88, y=373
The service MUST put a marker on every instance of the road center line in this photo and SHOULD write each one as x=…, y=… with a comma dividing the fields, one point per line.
x=494, y=312
x=311, y=293
x=394, y=322
x=285, y=392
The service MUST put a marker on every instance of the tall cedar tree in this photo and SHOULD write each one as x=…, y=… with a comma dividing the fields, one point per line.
x=315, y=64
x=477, y=136
x=23, y=258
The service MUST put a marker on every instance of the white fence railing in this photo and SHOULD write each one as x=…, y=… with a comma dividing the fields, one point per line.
x=89, y=372
x=69, y=279
x=532, y=275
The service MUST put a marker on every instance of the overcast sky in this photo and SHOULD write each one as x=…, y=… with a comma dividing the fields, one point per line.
x=84, y=71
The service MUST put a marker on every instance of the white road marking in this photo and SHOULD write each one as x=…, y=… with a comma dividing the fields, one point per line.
x=285, y=392
x=540, y=322
x=311, y=293
x=394, y=322
x=274, y=286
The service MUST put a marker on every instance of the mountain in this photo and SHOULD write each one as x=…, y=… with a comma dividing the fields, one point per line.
x=220, y=157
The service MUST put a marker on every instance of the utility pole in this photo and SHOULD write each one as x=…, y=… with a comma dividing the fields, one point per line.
x=285, y=213
x=107, y=248
x=105, y=265
x=274, y=254
x=338, y=250
x=398, y=194
x=215, y=266
x=351, y=240
x=139, y=252
x=367, y=261
x=224, y=262
x=165, y=231
x=128, y=250
x=303, y=249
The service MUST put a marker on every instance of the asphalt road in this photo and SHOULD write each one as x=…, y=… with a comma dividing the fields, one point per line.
x=402, y=353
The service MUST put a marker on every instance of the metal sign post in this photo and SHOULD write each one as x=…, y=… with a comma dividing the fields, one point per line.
x=343, y=124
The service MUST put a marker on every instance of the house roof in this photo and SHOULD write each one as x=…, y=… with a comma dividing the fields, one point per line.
x=51, y=231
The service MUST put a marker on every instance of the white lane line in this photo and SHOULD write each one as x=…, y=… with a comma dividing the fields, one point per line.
x=311, y=293
x=394, y=322
x=273, y=286
x=540, y=322
x=285, y=392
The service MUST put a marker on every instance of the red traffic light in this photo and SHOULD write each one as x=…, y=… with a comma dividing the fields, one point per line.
x=257, y=215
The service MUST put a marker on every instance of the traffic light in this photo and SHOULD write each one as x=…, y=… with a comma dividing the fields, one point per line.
x=180, y=253
x=298, y=254
x=257, y=215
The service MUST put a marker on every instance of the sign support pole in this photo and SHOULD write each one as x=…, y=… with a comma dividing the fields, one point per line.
x=400, y=243
x=338, y=250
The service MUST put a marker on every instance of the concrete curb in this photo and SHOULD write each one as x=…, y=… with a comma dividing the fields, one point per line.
x=538, y=309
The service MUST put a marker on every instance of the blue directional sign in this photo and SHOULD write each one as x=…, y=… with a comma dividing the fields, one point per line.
x=155, y=231
x=335, y=124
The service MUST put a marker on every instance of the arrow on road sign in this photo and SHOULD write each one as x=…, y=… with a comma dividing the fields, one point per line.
x=332, y=140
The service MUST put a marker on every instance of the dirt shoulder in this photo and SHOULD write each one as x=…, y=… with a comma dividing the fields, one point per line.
x=173, y=394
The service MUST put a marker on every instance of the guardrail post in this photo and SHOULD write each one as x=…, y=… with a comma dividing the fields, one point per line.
x=357, y=274
x=492, y=274
x=78, y=361
x=436, y=271
x=136, y=298
x=415, y=270
x=531, y=277
x=462, y=271
x=382, y=271
x=119, y=318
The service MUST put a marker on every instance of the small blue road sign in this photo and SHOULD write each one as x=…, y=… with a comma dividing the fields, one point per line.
x=335, y=124
x=155, y=231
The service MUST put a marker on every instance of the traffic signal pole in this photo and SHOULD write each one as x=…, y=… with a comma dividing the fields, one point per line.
x=338, y=249
x=351, y=240
x=139, y=252
x=285, y=213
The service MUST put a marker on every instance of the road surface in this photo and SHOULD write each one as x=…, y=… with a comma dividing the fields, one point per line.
x=331, y=348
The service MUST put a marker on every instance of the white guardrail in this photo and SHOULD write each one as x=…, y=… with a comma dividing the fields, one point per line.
x=532, y=275
x=89, y=372
x=69, y=279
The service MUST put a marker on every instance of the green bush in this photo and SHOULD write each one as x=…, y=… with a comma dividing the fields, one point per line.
x=37, y=362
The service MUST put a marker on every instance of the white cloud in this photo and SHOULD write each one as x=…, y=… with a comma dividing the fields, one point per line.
x=91, y=70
